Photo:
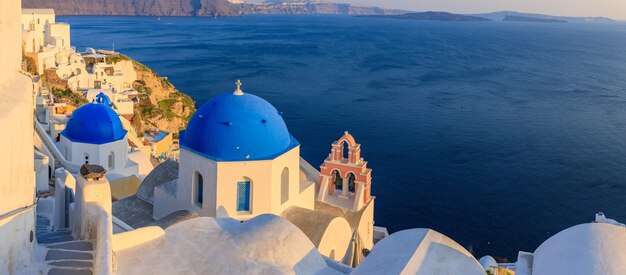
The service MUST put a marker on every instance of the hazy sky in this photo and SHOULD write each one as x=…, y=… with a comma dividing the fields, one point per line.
x=610, y=8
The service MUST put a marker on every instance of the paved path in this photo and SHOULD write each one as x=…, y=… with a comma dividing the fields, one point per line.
x=64, y=255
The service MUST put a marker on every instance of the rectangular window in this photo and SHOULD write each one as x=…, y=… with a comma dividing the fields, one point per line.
x=243, y=196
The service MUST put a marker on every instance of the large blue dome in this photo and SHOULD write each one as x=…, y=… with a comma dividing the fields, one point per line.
x=94, y=123
x=237, y=126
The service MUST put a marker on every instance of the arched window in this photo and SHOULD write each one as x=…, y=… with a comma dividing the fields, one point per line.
x=86, y=158
x=243, y=195
x=338, y=180
x=284, y=185
x=199, y=189
x=345, y=149
x=351, y=184
x=112, y=161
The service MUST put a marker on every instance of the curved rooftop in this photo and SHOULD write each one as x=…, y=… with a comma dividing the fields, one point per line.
x=591, y=248
x=419, y=251
x=235, y=127
x=266, y=244
x=488, y=262
x=94, y=123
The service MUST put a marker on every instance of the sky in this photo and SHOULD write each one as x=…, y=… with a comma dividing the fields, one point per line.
x=615, y=9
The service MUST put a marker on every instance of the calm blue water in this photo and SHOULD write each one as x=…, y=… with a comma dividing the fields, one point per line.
x=496, y=134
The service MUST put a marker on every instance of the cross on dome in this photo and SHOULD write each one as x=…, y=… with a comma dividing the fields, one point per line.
x=238, y=91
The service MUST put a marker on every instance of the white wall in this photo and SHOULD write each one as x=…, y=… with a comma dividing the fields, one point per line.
x=40, y=18
x=58, y=34
x=220, y=185
x=189, y=164
x=17, y=187
x=99, y=154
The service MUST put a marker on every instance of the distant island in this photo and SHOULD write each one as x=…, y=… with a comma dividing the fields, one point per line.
x=434, y=16
x=210, y=8
x=314, y=7
x=228, y=8
x=531, y=19
x=502, y=15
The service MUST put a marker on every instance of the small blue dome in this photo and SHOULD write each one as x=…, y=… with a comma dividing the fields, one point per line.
x=94, y=123
x=235, y=127
x=103, y=99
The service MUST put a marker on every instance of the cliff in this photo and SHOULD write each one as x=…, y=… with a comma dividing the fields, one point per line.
x=162, y=105
x=501, y=15
x=159, y=105
x=133, y=7
x=434, y=16
x=314, y=7
x=213, y=8
x=531, y=19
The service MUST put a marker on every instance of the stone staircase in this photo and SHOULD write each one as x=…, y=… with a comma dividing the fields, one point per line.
x=64, y=255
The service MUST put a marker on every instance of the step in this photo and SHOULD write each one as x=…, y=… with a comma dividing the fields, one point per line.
x=72, y=245
x=57, y=239
x=55, y=234
x=42, y=221
x=55, y=254
x=71, y=263
x=65, y=271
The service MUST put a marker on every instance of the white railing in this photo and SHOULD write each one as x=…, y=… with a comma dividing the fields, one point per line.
x=56, y=154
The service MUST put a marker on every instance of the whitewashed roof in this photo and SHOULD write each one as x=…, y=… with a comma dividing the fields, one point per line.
x=266, y=244
x=419, y=251
x=585, y=249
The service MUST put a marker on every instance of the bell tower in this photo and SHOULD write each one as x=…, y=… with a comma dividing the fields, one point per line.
x=345, y=180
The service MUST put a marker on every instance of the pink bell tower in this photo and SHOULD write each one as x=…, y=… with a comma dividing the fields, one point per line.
x=345, y=180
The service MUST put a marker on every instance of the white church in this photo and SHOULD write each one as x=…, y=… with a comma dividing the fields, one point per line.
x=94, y=135
x=238, y=160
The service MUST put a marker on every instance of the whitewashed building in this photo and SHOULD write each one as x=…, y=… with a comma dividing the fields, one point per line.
x=94, y=135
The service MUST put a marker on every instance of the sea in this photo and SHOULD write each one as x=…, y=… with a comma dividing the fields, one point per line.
x=496, y=134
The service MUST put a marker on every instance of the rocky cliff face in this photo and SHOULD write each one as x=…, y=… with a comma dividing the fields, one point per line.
x=311, y=7
x=162, y=105
x=135, y=7
x=212, y=8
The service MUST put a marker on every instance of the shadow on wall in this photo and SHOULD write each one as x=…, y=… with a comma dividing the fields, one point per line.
x=221, y=212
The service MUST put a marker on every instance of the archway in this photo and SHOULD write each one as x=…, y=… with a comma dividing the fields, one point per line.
x=345, y=149
x=337, y=180
x=112, y=161
x=199, y=189
x=351, y=182
x=284, y=185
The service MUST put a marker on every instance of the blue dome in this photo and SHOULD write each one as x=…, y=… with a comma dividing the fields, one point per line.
x=94, y=123
x=103, y=99
x=234, y=127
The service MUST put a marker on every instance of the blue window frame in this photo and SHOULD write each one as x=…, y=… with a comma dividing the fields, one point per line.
x=243, y=196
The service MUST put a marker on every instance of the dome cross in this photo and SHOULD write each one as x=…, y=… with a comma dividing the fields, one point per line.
x=238, y=91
